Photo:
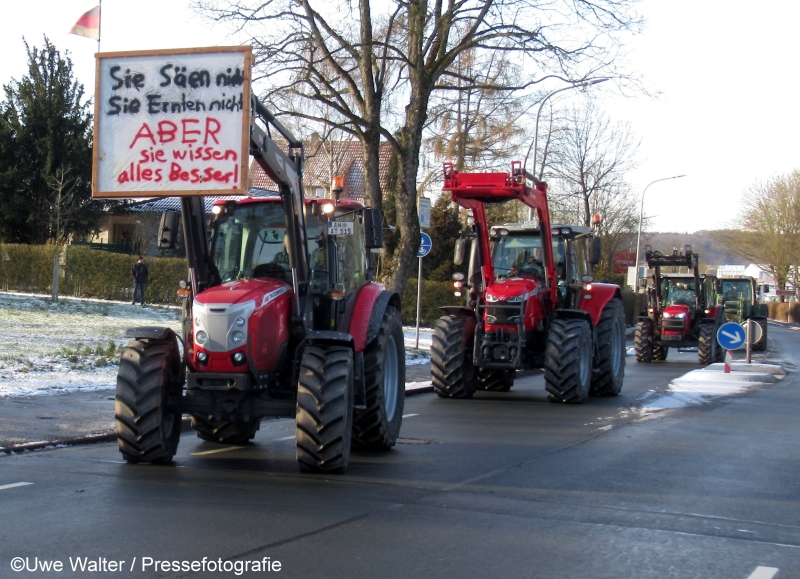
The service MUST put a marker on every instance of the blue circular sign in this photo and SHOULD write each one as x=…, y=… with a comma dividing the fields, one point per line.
x=425, y=244
x=731, y=336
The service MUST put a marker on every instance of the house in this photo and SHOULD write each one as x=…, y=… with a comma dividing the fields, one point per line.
x=326, y=160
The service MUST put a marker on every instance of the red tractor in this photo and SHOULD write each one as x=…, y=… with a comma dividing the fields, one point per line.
x=681, y=310
x=531, y=303
x=281, y=317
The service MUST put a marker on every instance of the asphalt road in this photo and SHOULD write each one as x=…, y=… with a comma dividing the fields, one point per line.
x=504, y=485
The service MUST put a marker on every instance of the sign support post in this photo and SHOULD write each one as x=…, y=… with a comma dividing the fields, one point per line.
x=425, y=245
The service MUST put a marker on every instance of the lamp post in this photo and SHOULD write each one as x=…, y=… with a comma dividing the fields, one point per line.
x=534, y=145
x=641, y=216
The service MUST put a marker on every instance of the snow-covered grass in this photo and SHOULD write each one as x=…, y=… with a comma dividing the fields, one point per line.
x=74, y=344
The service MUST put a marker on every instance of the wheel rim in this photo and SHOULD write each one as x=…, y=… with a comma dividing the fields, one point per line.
x=585, y=363
x=615, y=348
x=390, y=374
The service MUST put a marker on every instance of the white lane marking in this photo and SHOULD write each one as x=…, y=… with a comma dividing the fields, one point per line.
x=409, y=415
x=216, y=451
x=14, y=485
x=764, y=573
x=609, y=427
x=292, y=437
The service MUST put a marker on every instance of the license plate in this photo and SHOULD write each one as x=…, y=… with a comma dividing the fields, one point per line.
x=663, y=337
x=340, y=228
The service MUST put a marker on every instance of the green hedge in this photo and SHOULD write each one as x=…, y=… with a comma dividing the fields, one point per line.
x=87, y=273
x=784, y=311
x=434, y=295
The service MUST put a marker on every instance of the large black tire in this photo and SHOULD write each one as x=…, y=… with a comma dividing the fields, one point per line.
x=568, y=361
x=761, y=345
x=225, y=431
x=378, y=425
x=643, y=341
x=708, y=351
x=660, y=352
x=610, y=360
x=452, y=371
x=148, y=383
x=324, y=421
x=495, y=380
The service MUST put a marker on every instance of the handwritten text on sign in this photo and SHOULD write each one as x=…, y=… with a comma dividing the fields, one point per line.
x=171, y=123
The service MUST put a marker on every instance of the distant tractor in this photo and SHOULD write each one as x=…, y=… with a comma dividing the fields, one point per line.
x=739, y=297
x=681, y=310
x=531, y=301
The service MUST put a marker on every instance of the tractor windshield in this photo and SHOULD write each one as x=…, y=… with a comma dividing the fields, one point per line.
x=733, y=289
x=515, y=255
x=253, y=243
x=678, y=291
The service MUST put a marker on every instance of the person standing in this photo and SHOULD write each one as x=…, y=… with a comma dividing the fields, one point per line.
x=139, y=274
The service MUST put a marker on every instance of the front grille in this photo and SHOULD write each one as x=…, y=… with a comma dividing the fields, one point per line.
x=673, y=325
x=510, y=314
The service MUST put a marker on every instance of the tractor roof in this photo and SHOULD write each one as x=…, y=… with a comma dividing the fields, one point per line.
x=685, y=275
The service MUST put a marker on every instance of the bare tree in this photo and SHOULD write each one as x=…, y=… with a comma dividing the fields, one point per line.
x=353, y=60
x=59, y=210
x=769, y=227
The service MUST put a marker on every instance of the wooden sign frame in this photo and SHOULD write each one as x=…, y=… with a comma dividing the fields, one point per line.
x=135, y=87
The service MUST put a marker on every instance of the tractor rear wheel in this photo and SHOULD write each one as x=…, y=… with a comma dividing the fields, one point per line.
x=708, y=351
x=378, y=425
x=225, y=431
x=568, y=361
x=148, y=383
x=610, y=361
x=660, y=352
x=324, y=420
x=761, y=345
x=452, y=371
x=495, y=380
x=643, y=341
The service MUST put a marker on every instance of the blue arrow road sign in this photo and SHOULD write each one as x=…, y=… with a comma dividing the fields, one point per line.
x=731, y=336
x=424, y=245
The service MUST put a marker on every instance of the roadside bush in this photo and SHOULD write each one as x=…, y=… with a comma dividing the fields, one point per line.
x=87, y=273
x=434, y=295
x=783, y=311
x=26, y=268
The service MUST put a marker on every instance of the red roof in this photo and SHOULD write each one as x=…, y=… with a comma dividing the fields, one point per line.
x=324, y=160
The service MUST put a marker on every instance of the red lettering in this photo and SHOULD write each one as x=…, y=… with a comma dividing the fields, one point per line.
x=147, y=174
x=166, y=131
x=180, y=155
x=187, y=131
x=212, y=132
x=143, y=133
x=158, y=175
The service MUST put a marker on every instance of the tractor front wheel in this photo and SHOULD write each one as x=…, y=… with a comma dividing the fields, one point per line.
x=660, y=352
x=148, y=385
x=378, y=425
x=610, y=361
x=708, y=351
x=324, y=420
x=568, y=361
x=452, y=370
x=643, y=341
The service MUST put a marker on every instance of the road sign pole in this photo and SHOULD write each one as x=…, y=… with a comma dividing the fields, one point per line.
x=749, y=341
x=419, y=299
x=728, y=360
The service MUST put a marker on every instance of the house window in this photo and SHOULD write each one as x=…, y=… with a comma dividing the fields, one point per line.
x=123, y=233
x=319, y=192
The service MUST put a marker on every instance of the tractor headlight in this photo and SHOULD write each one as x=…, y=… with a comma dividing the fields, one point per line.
x=491, y=299
x=680, y=316
x=237, y=337
x=240, y=321
x=201, y=337
x=198, y=322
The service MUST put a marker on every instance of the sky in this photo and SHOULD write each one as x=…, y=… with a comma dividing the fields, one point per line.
x=725, y=115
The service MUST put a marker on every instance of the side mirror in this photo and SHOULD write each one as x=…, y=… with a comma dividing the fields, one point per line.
x=594, y=251
x=765, y=288
x=461, y=249
x=373, y=228
x=168, y=230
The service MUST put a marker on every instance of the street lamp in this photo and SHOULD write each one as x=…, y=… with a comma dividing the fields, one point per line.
x=534, y=145
x=641, y=216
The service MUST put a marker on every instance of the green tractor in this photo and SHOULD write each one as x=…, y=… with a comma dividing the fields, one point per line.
x=739, y=296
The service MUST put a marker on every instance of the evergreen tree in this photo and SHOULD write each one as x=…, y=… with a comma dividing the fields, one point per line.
x=445, y=228
x=45, y=134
